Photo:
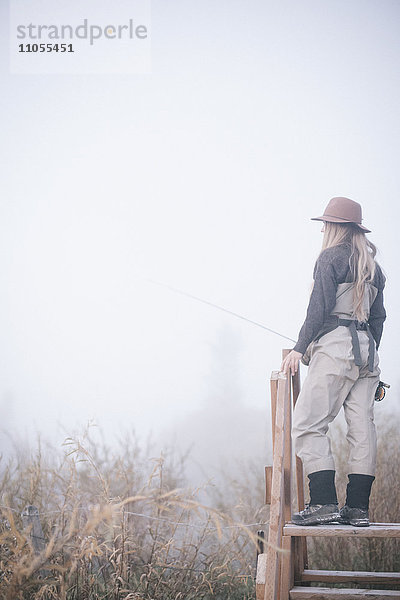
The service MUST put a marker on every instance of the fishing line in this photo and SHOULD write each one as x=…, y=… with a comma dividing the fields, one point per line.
x=230, y=312
x=136, y=514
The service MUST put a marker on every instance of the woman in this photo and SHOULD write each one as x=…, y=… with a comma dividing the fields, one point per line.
x=339, y=340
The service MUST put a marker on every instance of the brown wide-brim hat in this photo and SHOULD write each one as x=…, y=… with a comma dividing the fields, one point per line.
x=343, y=210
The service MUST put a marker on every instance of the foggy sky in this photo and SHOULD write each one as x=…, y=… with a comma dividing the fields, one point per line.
x=204, y=175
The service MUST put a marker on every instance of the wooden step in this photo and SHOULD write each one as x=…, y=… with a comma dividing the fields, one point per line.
x=320, y=593
x=385, y=530
x=350, y=577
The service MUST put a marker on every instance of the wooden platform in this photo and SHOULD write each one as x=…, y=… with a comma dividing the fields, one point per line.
x=350, y=577
x=315, y=593
x=385, y=530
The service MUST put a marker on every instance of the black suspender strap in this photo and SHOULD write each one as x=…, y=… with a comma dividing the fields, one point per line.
x=356, y=343
x=353, y=326
x=371, y=350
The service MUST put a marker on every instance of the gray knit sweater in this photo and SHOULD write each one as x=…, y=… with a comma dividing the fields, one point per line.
x=332, y=268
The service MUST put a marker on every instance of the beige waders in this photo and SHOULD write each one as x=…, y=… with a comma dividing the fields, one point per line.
x=335, y=380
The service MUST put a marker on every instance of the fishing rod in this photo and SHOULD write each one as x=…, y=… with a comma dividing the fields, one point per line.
x=230, y=312
x=380, y=390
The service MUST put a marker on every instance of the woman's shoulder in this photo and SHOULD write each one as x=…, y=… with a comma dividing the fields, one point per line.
x=333, y=261
x=335, y=254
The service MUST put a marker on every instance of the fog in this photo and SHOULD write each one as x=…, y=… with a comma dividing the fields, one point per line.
x=202, y=175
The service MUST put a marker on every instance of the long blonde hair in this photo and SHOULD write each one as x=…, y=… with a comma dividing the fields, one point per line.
x=362, y=258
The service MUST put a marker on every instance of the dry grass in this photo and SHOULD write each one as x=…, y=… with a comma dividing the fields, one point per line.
x=118, y=525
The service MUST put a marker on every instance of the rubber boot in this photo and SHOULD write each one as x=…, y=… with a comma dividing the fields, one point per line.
x=323, y=505
x=355, y=511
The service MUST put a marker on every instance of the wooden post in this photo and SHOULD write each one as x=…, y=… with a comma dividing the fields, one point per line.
x=268, y=469
x=287, y=452
x=274, y=394
x=298, y=558
x=299, y=474
x=260, y=576
x=287, y=570
x=268, y=483
x=30, y=519
x=285, y=557
x=299, y=464
x=276, y=512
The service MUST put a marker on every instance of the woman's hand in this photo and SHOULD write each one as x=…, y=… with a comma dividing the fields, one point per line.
x=291, y=362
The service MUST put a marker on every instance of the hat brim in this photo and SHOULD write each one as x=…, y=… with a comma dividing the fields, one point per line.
x=337, y=220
